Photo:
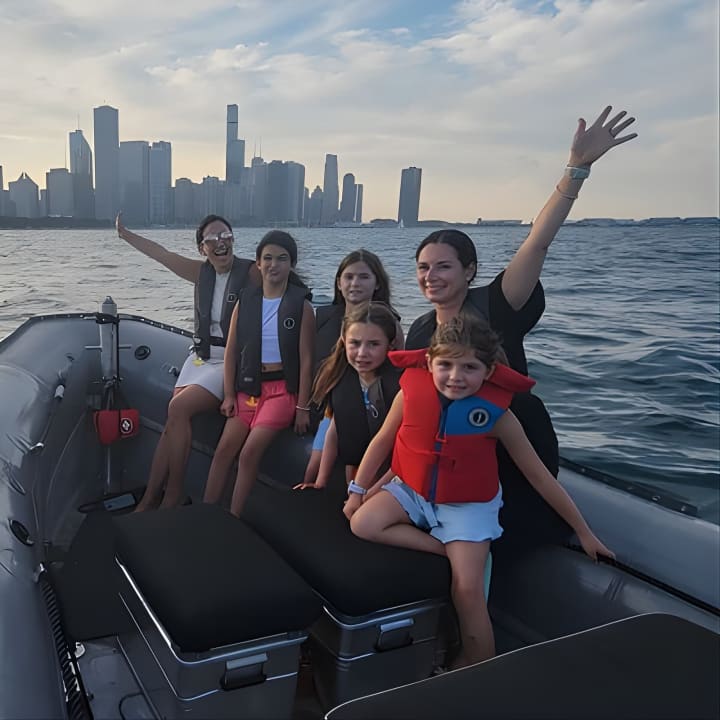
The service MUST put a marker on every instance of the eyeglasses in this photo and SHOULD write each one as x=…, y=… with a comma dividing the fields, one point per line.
x=213, y=240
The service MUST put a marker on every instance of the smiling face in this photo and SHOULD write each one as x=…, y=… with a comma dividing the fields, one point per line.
x=274, y=264
x=357, y=283
x=440, y=274
x=217, y=245
x=366, y=347
x=458, y=376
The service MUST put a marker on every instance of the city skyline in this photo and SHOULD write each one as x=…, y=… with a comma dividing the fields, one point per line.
x=484, y=96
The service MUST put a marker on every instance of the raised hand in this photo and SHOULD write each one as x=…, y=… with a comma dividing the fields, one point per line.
x=591, y=143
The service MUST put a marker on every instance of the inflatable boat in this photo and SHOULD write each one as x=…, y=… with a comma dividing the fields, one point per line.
x=283, y=613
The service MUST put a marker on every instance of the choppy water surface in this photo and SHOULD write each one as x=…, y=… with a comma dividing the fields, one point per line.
x=626, y=355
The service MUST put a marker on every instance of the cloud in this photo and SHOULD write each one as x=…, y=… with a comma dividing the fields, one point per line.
x=483, y=95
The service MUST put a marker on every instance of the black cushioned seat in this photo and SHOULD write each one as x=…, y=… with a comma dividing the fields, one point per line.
x=647, y=667
x=354, y=576
x=210, y=579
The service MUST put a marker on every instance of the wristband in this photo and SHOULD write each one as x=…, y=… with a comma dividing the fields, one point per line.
x=300, y=407
x=577, y=173
x=353, y=487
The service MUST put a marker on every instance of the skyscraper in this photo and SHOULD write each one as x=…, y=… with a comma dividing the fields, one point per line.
x=59, y=186
x=160, y=183
x=313, y=209
x=330, y=191
x=24, y=193
x=258, y=189
x=358, y=202
x=134, y=163
x=234, y=148
x=409, y=206
x=107, y=159
x=347, y=204
x=82, y=175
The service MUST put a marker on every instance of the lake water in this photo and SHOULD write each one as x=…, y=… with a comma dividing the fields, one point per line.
x=626, y=354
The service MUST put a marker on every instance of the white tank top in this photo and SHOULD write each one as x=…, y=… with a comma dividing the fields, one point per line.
x=270, y=344
x=221, y=281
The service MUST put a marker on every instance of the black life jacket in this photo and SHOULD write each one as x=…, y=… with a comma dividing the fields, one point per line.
x=328, y=324
x=356, y=427
x=422, y=329
x=204, y=288
x=249, y=338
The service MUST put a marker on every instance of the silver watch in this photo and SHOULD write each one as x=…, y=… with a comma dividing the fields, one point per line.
x=577, y=173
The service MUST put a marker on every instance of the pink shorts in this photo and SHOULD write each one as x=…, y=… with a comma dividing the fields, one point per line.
x=275, y=408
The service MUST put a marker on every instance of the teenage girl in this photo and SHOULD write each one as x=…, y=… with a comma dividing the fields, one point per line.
x=268, y=367
x=357, y=383
x=445, y=495
x=360, y=277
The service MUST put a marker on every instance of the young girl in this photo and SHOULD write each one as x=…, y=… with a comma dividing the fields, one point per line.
x=358, y=384
x=445, y=496
x=360, y=278
x=268, y=367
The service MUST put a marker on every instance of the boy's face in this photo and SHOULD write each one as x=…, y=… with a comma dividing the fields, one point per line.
x=458, y=377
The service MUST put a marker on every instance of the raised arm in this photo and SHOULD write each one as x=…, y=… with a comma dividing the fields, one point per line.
x=186, y=268
x=511, y=434
x=588, y=145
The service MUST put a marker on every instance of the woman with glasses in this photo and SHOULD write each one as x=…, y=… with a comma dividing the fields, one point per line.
x=218, y=279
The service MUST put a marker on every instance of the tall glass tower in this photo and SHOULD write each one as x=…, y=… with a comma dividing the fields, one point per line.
x=107, y=151
x=330, y=191
x=409, y=206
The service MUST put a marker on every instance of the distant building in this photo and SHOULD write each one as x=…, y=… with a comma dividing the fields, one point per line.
x=59, y=189
x=409, y=205
x=160, y=179
x=358, y=202
x=107, y=162
x=330, y=191
x=212, y=196
x=184, y=201
x=134, y=166
x=347, y=203
x=24, y=193
x=313, y=208
x=296, y=192
x=82, y=175
x=258, y=189
x=234, y=148
x=285, y=186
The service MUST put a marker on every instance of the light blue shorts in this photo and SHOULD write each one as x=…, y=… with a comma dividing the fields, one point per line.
x=471, y=522
x=319, y=439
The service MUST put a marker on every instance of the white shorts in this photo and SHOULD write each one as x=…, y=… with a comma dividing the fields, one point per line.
x=207, y=374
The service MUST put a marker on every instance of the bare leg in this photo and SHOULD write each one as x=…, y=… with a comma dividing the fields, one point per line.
x=311, y=471
x=178, y=437
x=382, y=519
x=467, y=560
x=248, y=463
x=231, y=441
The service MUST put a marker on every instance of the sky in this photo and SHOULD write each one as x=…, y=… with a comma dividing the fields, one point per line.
x=483, y=95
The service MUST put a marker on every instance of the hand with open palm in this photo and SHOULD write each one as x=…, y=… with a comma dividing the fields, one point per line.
x=591, y=143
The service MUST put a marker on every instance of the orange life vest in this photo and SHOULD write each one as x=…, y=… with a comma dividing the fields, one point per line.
x=444, y=452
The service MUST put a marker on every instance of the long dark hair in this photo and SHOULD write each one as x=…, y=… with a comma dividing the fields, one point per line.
x=334, y=366
x=460, y=242
x=382, y=291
